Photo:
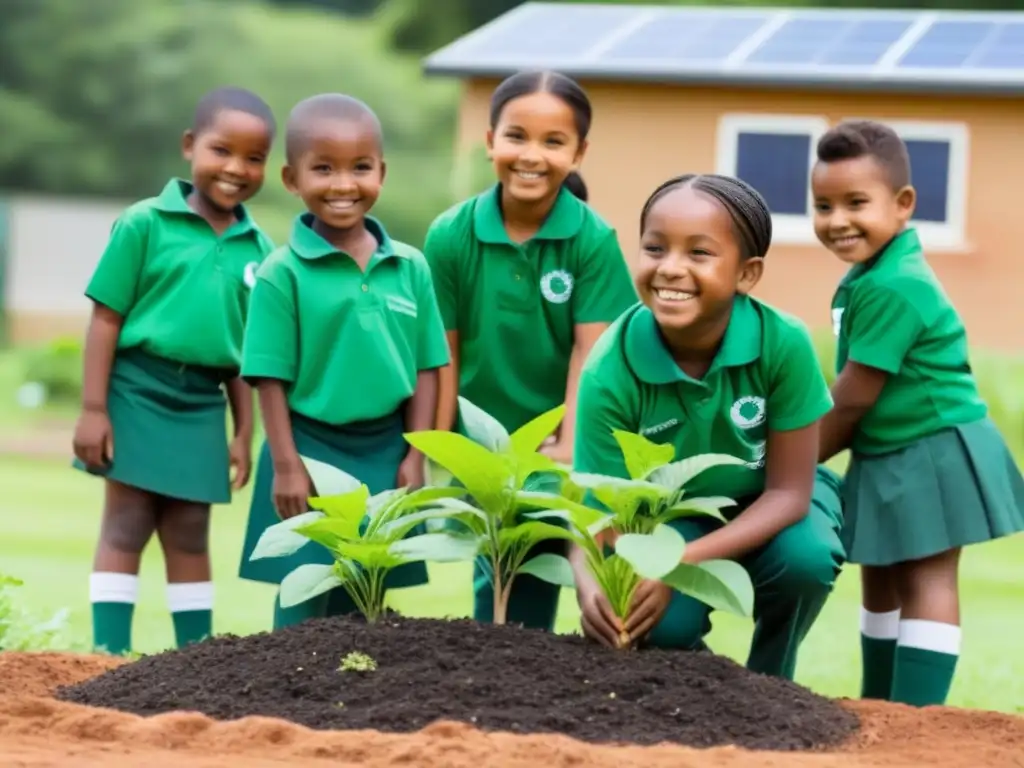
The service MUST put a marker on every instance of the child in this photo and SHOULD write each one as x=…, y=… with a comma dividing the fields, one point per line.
x=343, y=343
x=170, y=296
x=527, y=277
x=929, y=472
x=707, y=369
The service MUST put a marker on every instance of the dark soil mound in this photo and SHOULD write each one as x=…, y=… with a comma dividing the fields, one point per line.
x=496, y=678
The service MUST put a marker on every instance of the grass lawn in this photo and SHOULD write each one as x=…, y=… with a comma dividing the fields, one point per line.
x=50, y=518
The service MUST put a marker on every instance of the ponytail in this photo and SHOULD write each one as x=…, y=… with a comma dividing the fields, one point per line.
x=575, y=184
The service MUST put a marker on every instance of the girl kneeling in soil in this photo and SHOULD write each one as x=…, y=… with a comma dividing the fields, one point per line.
x=930, y=472
x=170, y=296
x=702, y=366
x=527, y=277
x=343, y=343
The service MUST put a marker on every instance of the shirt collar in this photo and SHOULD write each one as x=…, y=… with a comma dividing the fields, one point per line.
x=563, y=221
x=309, y=245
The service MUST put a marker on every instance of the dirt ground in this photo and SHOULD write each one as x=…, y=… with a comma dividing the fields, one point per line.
x=38, y=731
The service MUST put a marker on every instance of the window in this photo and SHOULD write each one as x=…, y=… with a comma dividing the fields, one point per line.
x=938, y=169
x=774, y=154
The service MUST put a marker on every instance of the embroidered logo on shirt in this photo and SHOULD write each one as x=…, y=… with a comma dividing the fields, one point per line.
x=668, y=424
x=748, y=412
x=837, y=320
x=403, y=305
x=556, y=286
x=249, y=276
x=758, y=450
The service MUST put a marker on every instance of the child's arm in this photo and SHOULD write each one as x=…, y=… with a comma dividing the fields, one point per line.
x=585, y=336
x=855, y=392
x=420, y=414
x=292, y=485
x=441, y=256
x=448, y=387
x=240, y=402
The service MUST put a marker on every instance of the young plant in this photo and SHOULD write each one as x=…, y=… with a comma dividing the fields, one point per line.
x=496, y=469
x=632, y=540
x=367, y=535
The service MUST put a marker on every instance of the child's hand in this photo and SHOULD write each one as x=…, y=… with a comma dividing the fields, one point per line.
x=241, y=461
x=410, y=471
x=93, y=442
x=650, y=601
x=292, y=489
x=557, y=451
x=597, y=618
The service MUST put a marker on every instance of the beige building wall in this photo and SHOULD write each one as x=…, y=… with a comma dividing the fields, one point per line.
x=644, y=134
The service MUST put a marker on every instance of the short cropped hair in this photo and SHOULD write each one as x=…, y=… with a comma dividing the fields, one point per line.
x=235, y=100
x=866, y=138
x=326, y=106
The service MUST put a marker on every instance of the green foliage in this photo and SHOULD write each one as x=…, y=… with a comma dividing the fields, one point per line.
x=365, y=534
x=357, y=662
x=631, y=538
x=20, y=630
x=57, y=367
x=503, y=475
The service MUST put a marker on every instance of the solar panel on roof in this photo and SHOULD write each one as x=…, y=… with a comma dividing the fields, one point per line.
x=843, y=41
x=1003, y=50
x=683, y=36
x=948, y=44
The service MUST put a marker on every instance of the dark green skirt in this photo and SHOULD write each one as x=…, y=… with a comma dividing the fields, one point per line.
x=370, y=451
x=169, y=423
x=957, y=487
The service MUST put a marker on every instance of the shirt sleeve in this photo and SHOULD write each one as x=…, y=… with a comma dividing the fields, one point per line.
x=881, y=327
x=799, y=394
x=431, y=342
x=598, y=413
x=115, y=281
x=604, y=287
x=270, y=347
x=443, y=261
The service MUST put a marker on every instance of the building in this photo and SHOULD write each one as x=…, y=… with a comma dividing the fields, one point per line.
x=747, y=91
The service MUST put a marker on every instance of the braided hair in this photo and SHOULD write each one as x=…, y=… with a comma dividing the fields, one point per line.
x=749, y=212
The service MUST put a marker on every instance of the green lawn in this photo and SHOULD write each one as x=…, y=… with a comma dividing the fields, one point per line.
x=50, y=517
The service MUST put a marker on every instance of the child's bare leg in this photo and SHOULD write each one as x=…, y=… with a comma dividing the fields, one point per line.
x=879, y=628
x=129, y=518
x=929, y=636
x=184, y=531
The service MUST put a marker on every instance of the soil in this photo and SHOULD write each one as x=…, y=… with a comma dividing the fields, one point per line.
x=37, y=731
x=498, y=678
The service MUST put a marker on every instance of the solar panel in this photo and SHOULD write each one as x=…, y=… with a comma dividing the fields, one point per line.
x=830, y=41
x=683, y=36
x=948, y=44
x=1003, y=50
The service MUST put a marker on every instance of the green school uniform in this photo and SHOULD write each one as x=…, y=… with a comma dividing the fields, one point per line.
x=348, y=344
x=765, y=377
x=515, y=307
x=184, y=294
x=930, y=471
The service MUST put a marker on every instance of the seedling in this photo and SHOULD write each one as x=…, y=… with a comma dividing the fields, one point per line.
x=367, y=535
x=496, y=469
x=357, y=662
x=631, y=539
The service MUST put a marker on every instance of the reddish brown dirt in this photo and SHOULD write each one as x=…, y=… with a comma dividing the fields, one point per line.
x=37, y=731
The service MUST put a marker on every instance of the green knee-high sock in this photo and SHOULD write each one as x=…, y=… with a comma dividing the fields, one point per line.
x=191, y=605
x=878, y=634
x=113, y=597
x=926, y=658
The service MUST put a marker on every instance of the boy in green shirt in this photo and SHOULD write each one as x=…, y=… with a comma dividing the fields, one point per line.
x=343, y=342
x=170, y=296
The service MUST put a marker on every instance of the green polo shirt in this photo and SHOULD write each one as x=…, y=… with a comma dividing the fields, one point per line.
x=766, y=376
x=348, y=343
x=891, y=313
x=182, y=289
x=515, y=306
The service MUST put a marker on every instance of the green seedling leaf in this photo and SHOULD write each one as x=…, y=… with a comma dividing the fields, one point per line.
x=368, y=554
x=722, y=584
x=330, y=531
x=531, y=533
x=345, y=506
x=527, y=440
x=438, y=548
x=328, y=480
x=652, y=555
x=710, y=506
x=306, y=582
x=679, y=474
x=482, y=428
x=435, y=475
x=281, y=539
x=554, y=569
x=485, y=475
x=642, y=456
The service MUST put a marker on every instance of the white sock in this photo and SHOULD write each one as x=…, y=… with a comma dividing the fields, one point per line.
x=113, y=588
x=190, y=596
x=932, y=636
x=880, y=626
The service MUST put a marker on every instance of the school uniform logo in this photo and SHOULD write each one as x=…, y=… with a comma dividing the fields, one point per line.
x=401, y=305
x=758, y=452
x=667, y=424
x=249, y=275
x=837, y=320
x=556, y=286
x=748, y=412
